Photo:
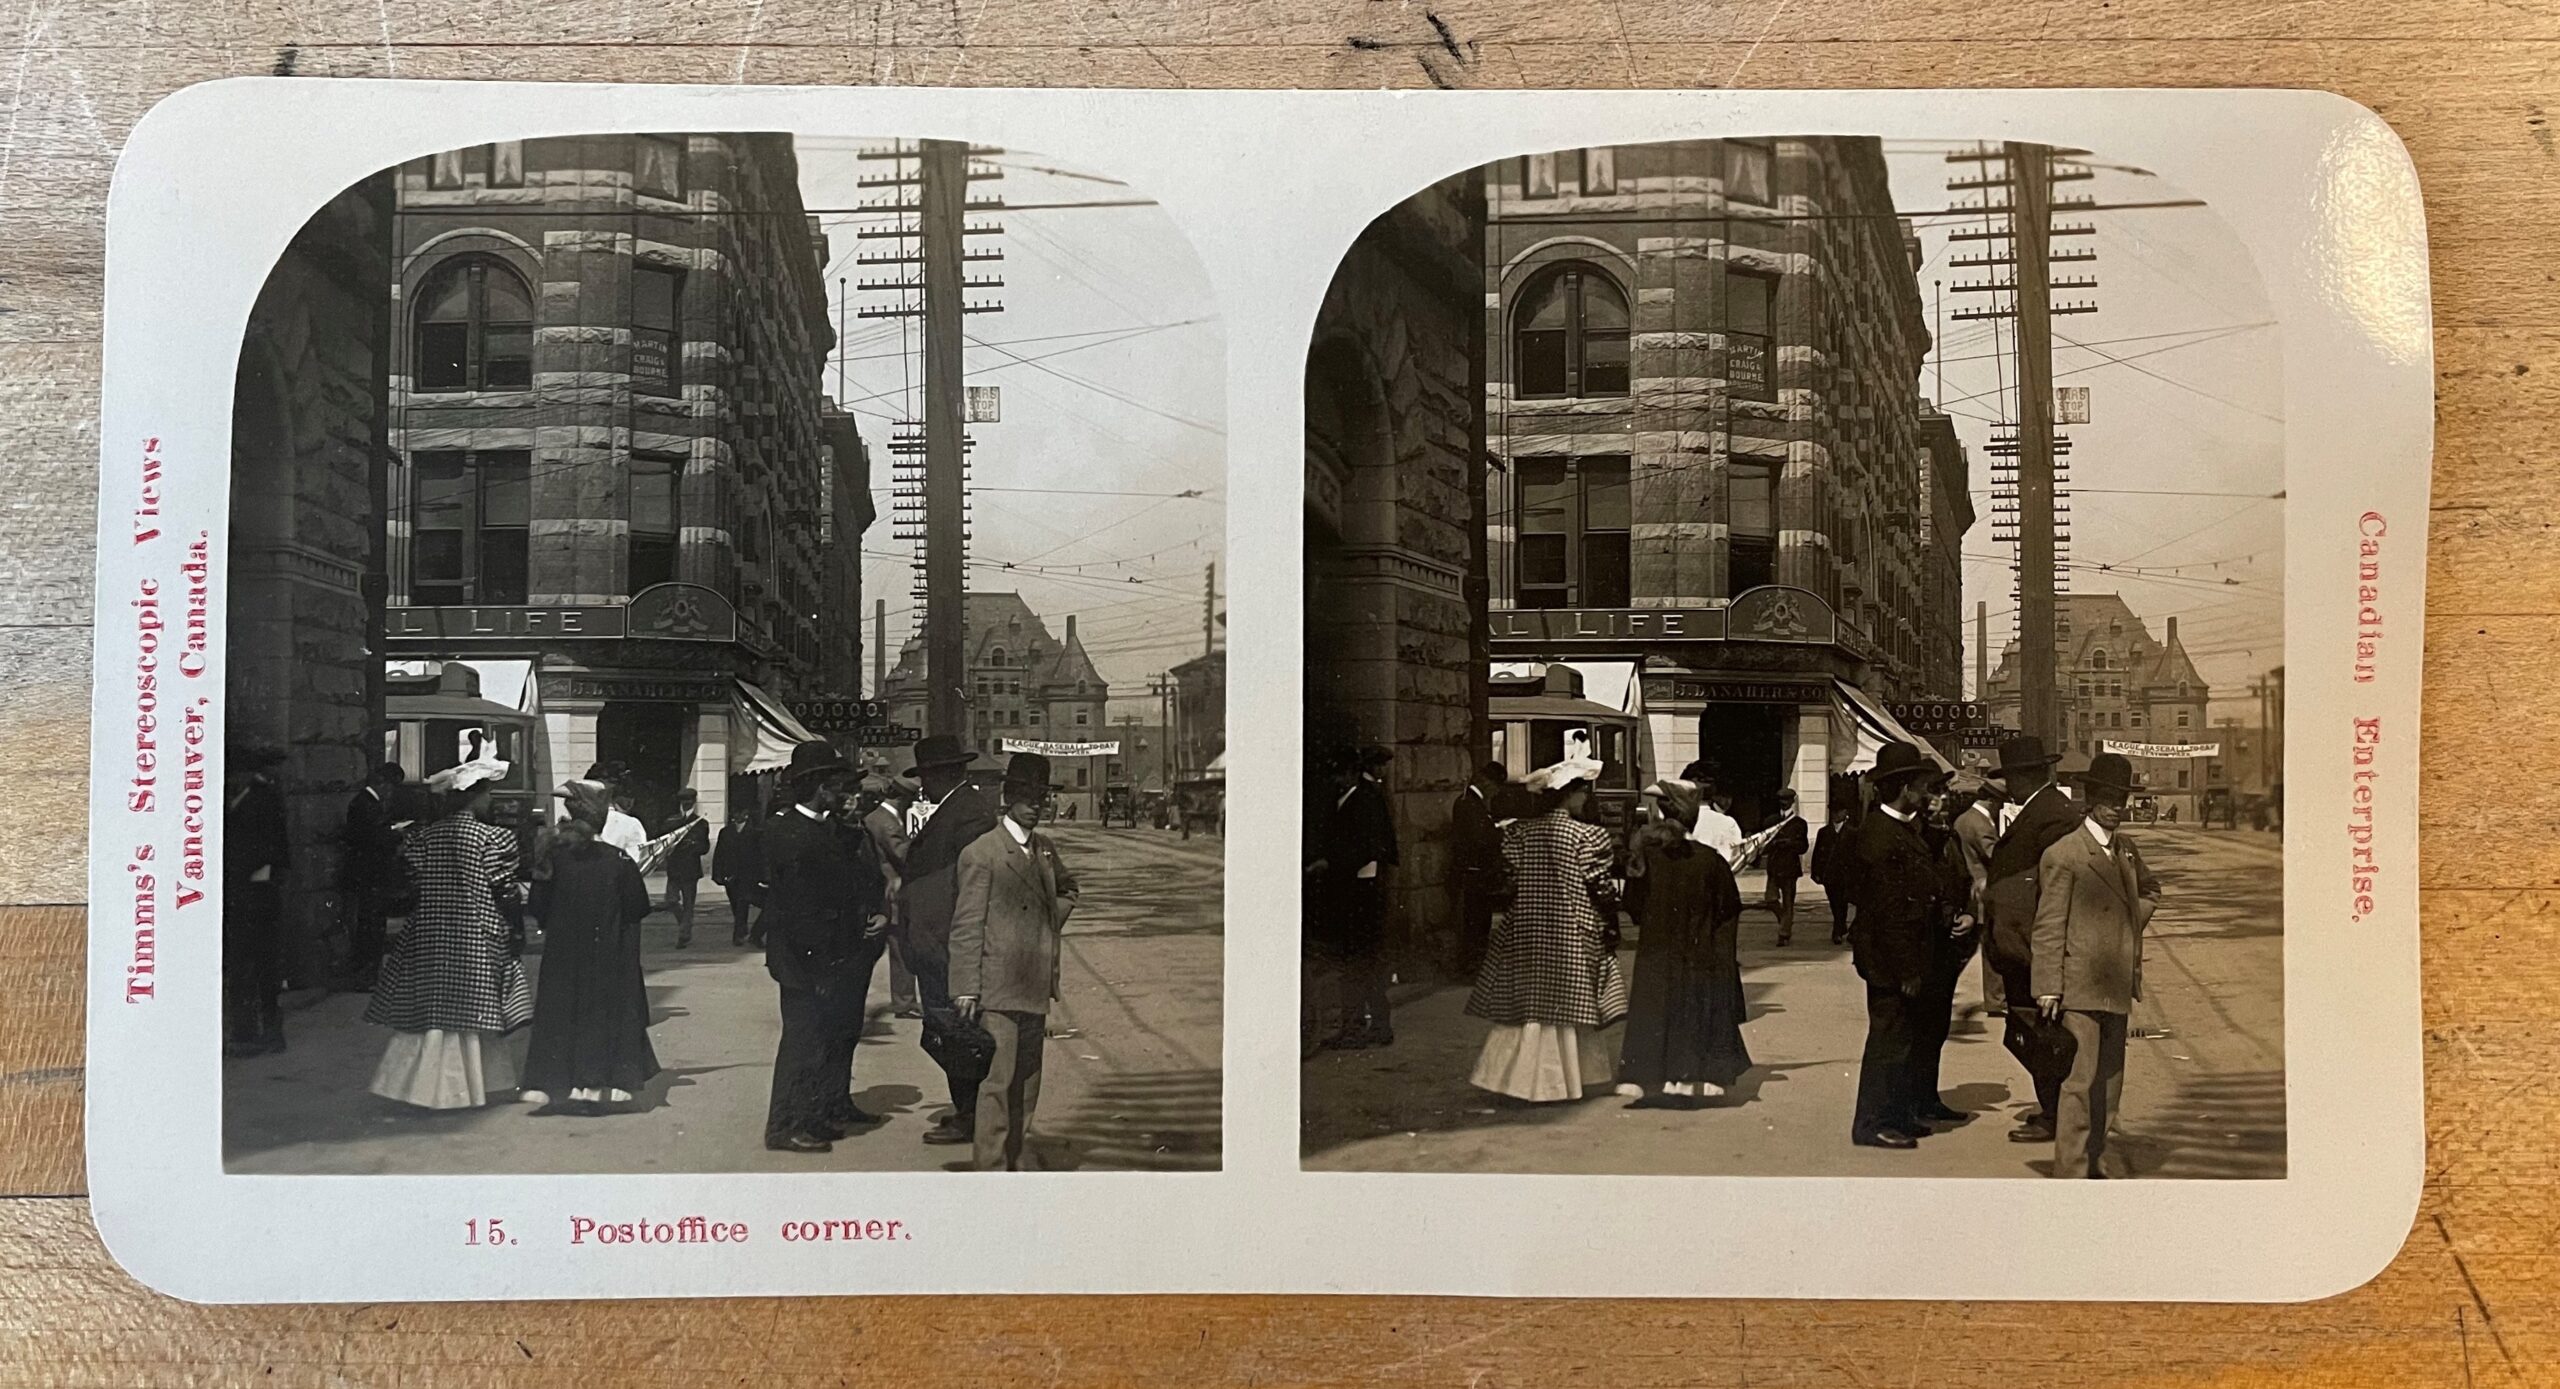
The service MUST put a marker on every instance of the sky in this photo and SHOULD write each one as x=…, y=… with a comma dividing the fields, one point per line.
x=1111, y=364
x=2172, y=480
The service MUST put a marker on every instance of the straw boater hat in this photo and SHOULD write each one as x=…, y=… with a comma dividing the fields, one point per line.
x=1679, y=799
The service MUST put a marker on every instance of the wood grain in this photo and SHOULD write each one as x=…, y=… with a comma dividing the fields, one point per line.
x=2474, y=1297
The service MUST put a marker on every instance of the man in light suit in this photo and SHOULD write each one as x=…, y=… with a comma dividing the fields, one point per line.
x=1015, y=898
x=2038, y=815
x=2095, y=898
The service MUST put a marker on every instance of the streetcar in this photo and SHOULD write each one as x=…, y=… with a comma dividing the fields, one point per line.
x=1540, y=718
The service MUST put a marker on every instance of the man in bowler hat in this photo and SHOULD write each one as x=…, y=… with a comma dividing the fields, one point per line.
x=1907, y=895
x=2038, y=815
x=2095, y=896
x=928, y=894
x=1015, y=898
x=824, y=928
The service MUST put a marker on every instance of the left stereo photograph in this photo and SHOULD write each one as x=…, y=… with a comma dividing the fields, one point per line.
x=724, y=668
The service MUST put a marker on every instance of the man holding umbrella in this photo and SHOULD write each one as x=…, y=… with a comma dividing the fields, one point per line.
x=1015, y=898
x=928, y=895
x=2038, y=816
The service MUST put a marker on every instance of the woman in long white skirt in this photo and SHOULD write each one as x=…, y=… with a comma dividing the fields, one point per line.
x=452, y=990
x=1550, y=984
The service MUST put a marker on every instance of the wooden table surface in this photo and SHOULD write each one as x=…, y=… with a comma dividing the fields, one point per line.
x=2474, y=1297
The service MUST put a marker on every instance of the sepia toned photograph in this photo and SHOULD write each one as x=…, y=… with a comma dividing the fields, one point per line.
x=1795, y=642
x=726, y=669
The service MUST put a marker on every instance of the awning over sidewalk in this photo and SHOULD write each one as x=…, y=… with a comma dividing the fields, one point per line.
x=761, y=732
x=1870, y=728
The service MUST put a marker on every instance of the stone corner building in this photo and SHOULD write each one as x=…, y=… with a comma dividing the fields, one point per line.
x=307, y=443
x=1395, y=634
x=1708, y=436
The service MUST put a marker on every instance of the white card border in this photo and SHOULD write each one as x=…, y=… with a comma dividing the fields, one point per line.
x=1272, y=187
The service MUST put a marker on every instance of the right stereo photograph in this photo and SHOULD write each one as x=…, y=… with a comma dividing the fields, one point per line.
x=1794, y=672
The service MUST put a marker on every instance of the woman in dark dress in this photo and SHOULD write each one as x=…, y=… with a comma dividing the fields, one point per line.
x=590, y=1042
x=1684, y=1019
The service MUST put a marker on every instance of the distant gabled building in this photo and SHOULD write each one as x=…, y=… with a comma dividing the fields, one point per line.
x=2115, y=682
x=1025, y=684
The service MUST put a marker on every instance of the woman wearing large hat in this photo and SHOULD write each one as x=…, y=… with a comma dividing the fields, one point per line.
x=1550, y=984
x=1684, y=1016
x=452, y=989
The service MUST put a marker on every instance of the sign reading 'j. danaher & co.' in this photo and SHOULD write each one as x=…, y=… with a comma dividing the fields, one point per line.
x=1751, y=691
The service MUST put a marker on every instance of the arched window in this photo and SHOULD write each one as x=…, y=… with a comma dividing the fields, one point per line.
x=995, y=657
x=2097, y=660
x=474, y=323
x=1570, y=335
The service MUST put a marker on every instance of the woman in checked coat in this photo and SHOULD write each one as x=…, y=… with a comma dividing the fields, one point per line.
x=452, y=989
x=1550, y=984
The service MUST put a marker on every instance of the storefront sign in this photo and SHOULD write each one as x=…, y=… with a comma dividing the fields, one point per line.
x=840, y=713
x=682, y=612
x=1749, y=692
x=652, y=689
x=665, y=612
x=880, y=735
x=1111, y=749
x=2160, y=749
x=1607, y=624
x=1773, y=612
x=448, y=624
x=1939, y=715
x=1984, y=737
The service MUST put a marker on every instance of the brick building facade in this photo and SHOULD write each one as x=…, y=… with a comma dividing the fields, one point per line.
x=608, y=442
x=1395, y=601
x=1025, y=684
x=2114, y=681
x=1945, y=483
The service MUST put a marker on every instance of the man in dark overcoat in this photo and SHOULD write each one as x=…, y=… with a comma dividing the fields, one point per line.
x=256, y=851
x=1350, y=882
x=928, y=896
x=1906, y=899
x=371, y=871
x=1475, y=856
x=2039, y=814
x=1951, y=948
x=824, y=930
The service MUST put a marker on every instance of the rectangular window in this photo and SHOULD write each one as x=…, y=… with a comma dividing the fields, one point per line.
x=1083, y=717
x=2183, y=774
x=1538, y=176
x=1750, y=308
x=1569, y=171
x=1575, y=519
x=657, y=330
x=657, y=497
x=2182, y=718
x=454, y=168
x=506, y=164
x=1746, y=172
x=1082, y=775
x=658, y=168
x=470, y=516
x=1751, y=524
x=1600, y=170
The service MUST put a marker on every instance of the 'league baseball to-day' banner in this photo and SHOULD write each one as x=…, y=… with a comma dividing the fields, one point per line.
x=2161, y=749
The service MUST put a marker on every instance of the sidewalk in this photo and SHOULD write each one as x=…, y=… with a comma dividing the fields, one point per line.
x=2204, y=1087
x=1131, y=1075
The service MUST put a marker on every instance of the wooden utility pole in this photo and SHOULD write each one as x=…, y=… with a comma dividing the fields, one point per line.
x=943, y=167
x=1981, y=650
x=1209, y=612
x=879, y=647
x=2030, y=181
